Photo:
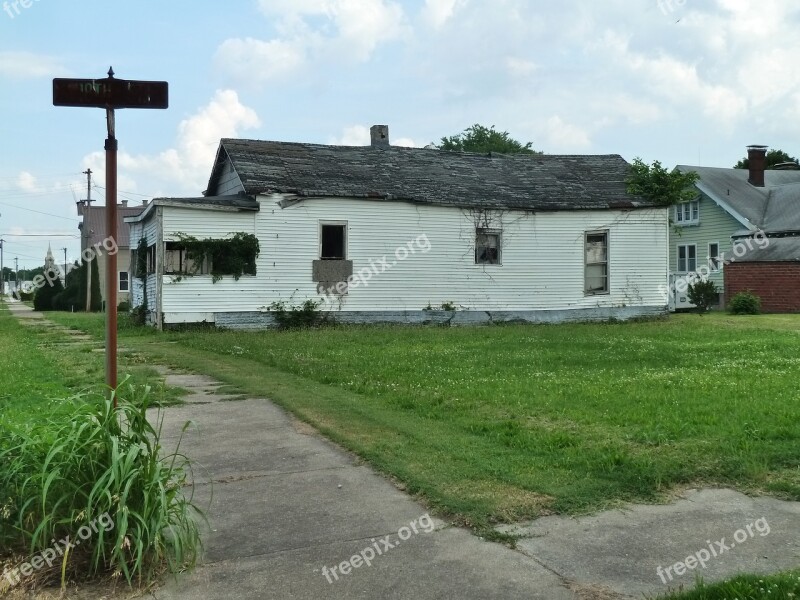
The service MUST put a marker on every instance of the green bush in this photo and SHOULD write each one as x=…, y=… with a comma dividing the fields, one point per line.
x=90, y=463
x=703, y=294
x=124, y=307
x=43, y=298
x=288, y=316
x=745, y=303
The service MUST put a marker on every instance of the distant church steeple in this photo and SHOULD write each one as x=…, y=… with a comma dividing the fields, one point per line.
x=49, y=260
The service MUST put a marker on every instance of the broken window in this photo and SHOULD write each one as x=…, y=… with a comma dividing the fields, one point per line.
x=714, y=261
x=596, y=271
x=177, y=261
x=333, y=241
x=487, y=246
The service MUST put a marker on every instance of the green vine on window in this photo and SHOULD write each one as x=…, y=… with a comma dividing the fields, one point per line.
x=141, y=260
x=234, y=256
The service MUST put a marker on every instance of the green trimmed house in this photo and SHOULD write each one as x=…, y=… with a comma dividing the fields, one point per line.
x=736, y=215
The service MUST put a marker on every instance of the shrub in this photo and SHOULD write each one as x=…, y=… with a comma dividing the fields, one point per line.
x=745, y=303
x=289, y=316
x=43, y=298
x=124, y=307
x=703, y=294
x=91, y=462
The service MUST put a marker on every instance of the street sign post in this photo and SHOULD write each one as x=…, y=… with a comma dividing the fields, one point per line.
x=110, y=94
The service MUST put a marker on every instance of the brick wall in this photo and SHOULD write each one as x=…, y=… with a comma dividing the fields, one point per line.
x=776, y=283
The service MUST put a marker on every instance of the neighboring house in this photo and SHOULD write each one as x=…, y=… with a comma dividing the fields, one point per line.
x=381, y=233
x=93, y=235
x=744, y=224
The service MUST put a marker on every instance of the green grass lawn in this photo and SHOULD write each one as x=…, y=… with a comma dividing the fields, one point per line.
x=498, y=424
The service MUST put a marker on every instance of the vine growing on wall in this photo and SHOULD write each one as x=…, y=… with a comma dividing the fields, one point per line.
x=234, y=256
x=139, y=313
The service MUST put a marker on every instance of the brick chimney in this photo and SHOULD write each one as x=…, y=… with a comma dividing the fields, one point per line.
x=379, y=136
x=757, y=159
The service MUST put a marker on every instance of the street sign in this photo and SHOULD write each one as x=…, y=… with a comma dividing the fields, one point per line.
x=110, y=93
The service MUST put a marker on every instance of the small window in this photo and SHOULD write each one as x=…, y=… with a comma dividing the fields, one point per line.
x=333, y=241
x=487, y=246
x=151, y=259
x=714, y=261
x=687, y=258
x=124, y=281
x=687, y=213
x=596, y=260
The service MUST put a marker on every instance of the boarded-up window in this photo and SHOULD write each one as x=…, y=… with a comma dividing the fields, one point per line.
x=333, y=241
x=596, y=272
x=487, y=246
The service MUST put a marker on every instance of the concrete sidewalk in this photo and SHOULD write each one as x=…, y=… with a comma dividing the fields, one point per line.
x=284, y=503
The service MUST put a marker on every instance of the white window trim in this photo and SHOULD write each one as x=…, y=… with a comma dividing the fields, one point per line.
x=719, y=260
x=678, y=213
x=346, y=237
x=489, y=231
x=678, y=258
x=586, y=235
x=119, y=282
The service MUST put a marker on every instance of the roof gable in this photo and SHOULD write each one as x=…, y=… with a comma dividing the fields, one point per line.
x=495, y=181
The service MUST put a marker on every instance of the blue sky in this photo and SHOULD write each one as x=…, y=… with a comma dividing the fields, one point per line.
x=681, y=81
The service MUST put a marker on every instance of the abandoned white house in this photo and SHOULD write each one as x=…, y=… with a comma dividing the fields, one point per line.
x=382, y=233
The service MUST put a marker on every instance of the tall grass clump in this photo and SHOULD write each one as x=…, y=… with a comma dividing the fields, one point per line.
x=91, y=463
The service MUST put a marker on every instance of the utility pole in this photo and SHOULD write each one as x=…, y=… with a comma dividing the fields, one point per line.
x=16, y=276
x=2, y=271
x=85, y=239
x=88, y=173
x=65, y=266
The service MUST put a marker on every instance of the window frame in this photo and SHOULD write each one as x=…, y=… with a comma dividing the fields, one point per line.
x=714, y=260
x=693, y=209
x=127, y=281
x=488, y=231
x=607, y=262
x=345, y=240
x=686, y=259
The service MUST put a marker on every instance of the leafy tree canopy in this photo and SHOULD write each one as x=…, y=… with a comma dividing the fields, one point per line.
x=479, y=138
x=774, y=157
x=658, y=185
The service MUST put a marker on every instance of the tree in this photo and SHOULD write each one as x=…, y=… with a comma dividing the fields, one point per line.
x=96, y=301
x=484, y=140
x=658, y=185
x=774, y=157
x=43, y=300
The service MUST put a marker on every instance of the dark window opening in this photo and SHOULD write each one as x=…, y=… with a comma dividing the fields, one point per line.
x=596, y=253
x=333, y=244
x=487, y=247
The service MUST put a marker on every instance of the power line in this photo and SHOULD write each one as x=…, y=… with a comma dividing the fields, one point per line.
x=39, y=212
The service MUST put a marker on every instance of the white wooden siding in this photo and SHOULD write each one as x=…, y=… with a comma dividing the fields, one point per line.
x=542, y=256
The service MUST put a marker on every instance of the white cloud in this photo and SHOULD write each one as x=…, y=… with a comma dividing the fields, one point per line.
x=354, y=135
x=405, y=143
x=27, y=182
x=259, y=61
x=561, y=136
x=312, y=32
x=26, y=65
x=438, y=12
x=184, y=169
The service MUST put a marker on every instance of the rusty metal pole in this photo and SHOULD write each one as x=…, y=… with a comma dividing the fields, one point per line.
x=111, y=259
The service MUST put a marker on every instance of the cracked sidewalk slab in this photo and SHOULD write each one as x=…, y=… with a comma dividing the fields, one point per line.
x=622, y=550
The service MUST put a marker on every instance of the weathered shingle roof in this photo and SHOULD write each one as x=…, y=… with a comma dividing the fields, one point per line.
x=774, y=207
x=239, y=202
x=94, y=223
x=529, y=182
x=778, y=250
